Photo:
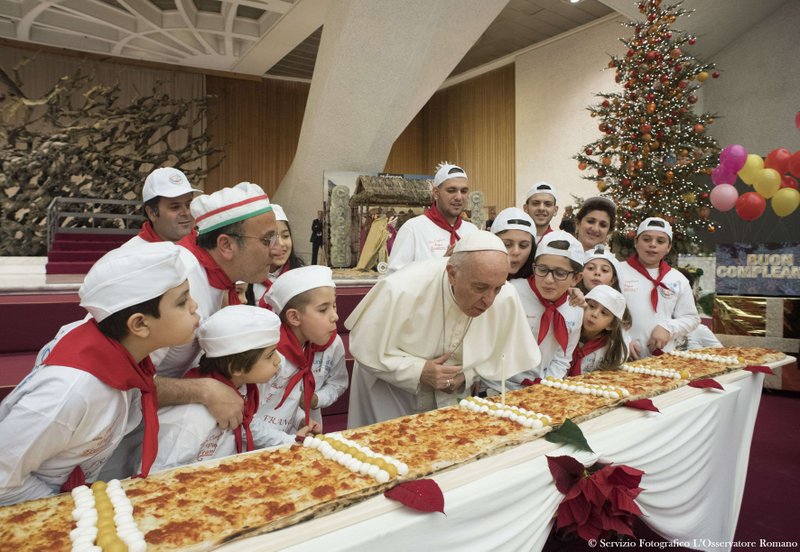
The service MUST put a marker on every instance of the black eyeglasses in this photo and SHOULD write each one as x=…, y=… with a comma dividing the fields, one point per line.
x=268, y=240
x=558, y=273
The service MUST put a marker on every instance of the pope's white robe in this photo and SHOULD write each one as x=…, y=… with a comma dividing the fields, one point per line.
x=410, y=317
x=419, y=239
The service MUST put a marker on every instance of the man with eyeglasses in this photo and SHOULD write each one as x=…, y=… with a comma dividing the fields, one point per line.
x=235, y=228
x=423, y=335
x=434, y=233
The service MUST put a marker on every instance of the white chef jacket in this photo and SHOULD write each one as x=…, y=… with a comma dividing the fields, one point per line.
x=411, y=316
x=57, y=418
x=330, y=377
x=420, y=239
x=676, y=312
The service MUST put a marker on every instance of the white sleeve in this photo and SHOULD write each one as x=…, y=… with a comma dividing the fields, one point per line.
x=559, y=364
x=684, y=317
x=336, y=382
x=266, y=435
x=181, y=433
x=44, y=437
x=403, y=249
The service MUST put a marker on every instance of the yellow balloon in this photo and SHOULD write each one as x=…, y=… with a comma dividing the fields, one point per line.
x=785, y=201
x=767, y=182
x=752, y=165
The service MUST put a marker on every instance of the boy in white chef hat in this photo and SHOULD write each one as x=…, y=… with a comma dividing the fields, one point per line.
x=240, y=350
x=659, y=297
x=602, y=344
x=313, y=375
x=94, y=382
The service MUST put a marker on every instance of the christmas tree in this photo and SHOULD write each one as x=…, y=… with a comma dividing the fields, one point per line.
x=653, y=145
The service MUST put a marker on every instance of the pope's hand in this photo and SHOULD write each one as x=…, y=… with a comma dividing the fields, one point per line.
x=443, y=378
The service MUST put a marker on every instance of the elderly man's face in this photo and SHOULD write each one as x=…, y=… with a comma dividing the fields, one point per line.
x=252, y=260
x=478, y=280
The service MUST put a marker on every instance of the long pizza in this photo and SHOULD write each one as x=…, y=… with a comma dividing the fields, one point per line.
x=202, y=506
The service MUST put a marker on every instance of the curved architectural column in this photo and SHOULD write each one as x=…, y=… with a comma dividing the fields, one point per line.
x=379, y=62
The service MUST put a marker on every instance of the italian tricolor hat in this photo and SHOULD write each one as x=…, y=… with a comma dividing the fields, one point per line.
x=229, y=205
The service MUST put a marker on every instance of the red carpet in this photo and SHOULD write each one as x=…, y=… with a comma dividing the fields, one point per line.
x=769, y=508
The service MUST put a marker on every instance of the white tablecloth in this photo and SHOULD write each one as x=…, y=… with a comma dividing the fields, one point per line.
x=694, y=454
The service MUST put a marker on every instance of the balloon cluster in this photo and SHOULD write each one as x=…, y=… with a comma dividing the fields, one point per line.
x=772, y=178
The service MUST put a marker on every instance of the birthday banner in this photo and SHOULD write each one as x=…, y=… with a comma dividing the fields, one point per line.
x=766, y=269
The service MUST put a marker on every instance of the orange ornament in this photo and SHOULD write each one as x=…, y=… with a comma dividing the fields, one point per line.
x=651, y=107
x=712, y=228
x=698, y=128
x=582, y=166
x=606, y=161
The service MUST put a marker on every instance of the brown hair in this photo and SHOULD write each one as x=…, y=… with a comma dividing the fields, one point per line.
x=239, y=363
x=115, y=326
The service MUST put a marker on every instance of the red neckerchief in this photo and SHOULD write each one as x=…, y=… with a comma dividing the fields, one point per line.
x=268, y=284
x=663, y=269
x=303, y=358
x=216, y=276
x=540, y=238
x=86, y=348
x=148, y=234
x=551, y=314
x=436, y=217
x=582, y=350
x=249, y=410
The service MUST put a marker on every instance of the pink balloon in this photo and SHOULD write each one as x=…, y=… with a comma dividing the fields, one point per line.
x=723, y=197
x=721, y=175
x=733, y=157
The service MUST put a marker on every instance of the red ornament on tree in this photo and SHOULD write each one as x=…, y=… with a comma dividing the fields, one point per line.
x=715, y=75
x=692, y=40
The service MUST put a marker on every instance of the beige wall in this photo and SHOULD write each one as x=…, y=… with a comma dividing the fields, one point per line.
x=472, y=124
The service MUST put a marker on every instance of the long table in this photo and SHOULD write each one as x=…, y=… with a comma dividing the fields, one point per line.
x=694, y=454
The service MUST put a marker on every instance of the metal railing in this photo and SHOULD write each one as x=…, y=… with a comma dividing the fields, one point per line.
x=90, y=215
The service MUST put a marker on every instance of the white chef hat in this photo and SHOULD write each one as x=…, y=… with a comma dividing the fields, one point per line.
x=480, y=241
x=513, y=218
x=655, y=224
x=131, y=275
x=600, y=251
x=166, y=182
x=574, y=250
x=229, y=205
x=610, y=298
x=294, y=282
x=237, y=329
x=280, y=214
x=542, y=187
x=445, y=171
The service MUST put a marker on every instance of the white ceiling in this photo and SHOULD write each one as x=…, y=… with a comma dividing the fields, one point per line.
x=281, y=37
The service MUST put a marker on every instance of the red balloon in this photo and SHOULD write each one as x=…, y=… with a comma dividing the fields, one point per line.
x=794, y=164
x=789, y=182
x=778, y=159
x=750, y=206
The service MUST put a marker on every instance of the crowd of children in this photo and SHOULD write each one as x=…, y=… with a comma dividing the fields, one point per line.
x=271, y=351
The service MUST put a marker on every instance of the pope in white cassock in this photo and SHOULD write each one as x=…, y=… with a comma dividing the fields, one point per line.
x=423, y=334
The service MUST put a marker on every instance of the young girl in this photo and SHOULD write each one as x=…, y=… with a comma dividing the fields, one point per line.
x=602, y=345
x=518, y=233
x=600, y=267
x=659, y=297
x=240, y=350
x=282, y=253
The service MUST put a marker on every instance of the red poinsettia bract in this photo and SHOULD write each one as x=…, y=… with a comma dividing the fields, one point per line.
x=599, y=500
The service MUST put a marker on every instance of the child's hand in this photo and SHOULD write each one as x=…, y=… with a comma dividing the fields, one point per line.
x=633, y=350
x=313, y=428
x=576, y=298
x=658, y=339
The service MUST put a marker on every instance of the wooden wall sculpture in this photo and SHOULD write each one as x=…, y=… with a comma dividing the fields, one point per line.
x=79, y=140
